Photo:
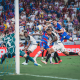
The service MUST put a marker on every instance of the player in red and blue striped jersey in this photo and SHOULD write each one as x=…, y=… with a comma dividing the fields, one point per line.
x=44, y=41
x=61, y=31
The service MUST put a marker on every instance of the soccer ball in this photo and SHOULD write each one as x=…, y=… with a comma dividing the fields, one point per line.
x=39, y=27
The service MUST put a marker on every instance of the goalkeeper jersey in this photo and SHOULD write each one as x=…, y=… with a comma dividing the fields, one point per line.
x=9, y=41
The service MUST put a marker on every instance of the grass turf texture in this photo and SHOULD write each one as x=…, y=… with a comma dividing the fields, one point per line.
x=69, y=69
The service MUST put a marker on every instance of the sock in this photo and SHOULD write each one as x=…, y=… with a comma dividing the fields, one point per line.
x=37, y=54
x=52, y=54
x=30, y=58
x=27, y=58
x=57, y=55
x=2, y=59
x=55, y=58
x=46, y=53
x=28, y=53
x=48, y=57
x=76, y=39
x=72, y=53
x=42, y=53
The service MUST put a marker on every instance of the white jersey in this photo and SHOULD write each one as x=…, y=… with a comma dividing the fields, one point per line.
x=57, y=44
x=30, y=38
x=53, y=37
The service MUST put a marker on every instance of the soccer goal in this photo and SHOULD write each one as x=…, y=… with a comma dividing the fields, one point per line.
x=10, y=61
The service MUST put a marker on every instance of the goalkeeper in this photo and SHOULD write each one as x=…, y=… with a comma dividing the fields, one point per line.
x=9, y=42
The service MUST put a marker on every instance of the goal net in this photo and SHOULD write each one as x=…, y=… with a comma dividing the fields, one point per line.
x=9, y=54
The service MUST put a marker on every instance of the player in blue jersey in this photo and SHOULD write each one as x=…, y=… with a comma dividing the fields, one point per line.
x=61, y=31
x=44, y=41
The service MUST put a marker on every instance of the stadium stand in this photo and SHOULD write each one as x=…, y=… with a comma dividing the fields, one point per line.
x=36, y=12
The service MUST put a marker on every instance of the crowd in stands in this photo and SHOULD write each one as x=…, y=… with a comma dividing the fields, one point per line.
x=36, y=12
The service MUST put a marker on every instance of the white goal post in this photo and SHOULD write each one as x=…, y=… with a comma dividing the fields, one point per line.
x=17, y=59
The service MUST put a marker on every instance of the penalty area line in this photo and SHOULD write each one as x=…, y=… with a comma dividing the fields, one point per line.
x=41, y=76
x=49, y=77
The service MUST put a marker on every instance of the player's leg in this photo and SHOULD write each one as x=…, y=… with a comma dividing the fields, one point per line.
x=6, y=55
x=55, y=58
x=3, y=58
x=26, y=61
x=30, y=50
x=59, y=60
x=50, y=50
x=23, y=54
x=63, y=49
x=53, y=49
x=71, y=39
x=42, y=47
x=46, y=55
x=42, y=54
x=51, y=62
x=73, y=53
x=10, y=53
x=75, y=39
x=66, y=52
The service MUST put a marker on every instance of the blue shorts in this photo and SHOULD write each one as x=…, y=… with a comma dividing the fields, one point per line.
x=65, y=37
x=43, y=44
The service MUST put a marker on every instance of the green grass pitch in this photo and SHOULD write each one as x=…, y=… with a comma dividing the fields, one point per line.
x=69, y=69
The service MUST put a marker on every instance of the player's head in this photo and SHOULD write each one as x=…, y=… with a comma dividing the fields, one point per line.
x=25, y=33
x=54, y=22
x=6, y=32
x=48, y=31
x=50, y=27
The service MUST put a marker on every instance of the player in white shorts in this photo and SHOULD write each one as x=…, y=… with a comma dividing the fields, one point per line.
x=31, y=46
x=57, y=46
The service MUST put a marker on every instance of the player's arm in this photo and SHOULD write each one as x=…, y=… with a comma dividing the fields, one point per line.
x=59, y=28
x=48, y=22
x=61, y=31
x=25, y=43
x=55, y=39
x=29, y=42
x=46, y=27
x=36, y=34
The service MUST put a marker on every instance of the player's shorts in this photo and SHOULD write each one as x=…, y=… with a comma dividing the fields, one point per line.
x=59, y=46
x=22, y=53
x=32, y=47
x=10, y=52
x=65, y=37
x=43, y=44
x=9, y=55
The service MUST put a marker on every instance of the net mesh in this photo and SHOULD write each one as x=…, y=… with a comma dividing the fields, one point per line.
x=7, y=60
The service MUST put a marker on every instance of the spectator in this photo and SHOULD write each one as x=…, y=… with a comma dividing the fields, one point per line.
x=78, y=35
x=70, y=26
x=76, y=22
x=23, y=16
x=21, y=34
x=35, y=12
x=36, y=34
x=32, y=17
x=74, y=33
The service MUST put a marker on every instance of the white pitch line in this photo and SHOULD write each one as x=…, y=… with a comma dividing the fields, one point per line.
x=49, y=77
x=42, y=76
